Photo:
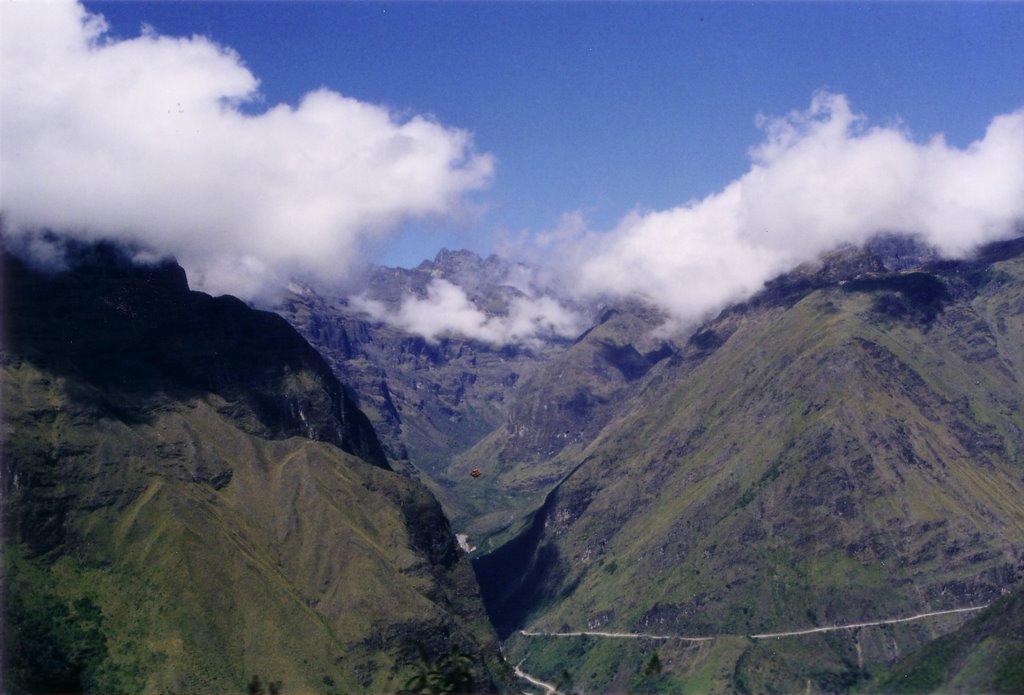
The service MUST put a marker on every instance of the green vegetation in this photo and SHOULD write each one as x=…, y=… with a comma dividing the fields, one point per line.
x=826, y=459
x=769, y=476
x=173, y=527
x=986, y=655
x=452, y=673
x=297, y=566
x=256, y=687
x=55, y=644
x=195, y=516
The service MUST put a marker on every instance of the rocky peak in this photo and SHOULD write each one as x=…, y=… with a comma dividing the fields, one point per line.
x=491, y=283
x=898, y=252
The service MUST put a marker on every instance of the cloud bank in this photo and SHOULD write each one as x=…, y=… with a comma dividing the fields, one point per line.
x=820, y=178
x=448, y=311
x=147, y=139
x=152, y=140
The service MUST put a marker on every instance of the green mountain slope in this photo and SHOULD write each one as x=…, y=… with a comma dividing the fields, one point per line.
x=191, y=499
x=986, y=655
x=554, y=412
x=842, y=448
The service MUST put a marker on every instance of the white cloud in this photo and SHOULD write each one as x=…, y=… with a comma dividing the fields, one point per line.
x=821, y=178
x=146, y=139
x=448, y=311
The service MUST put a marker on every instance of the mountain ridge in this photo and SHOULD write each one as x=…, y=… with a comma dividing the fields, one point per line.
x=179, y=512
x=180, y=351
x=832, y=437
x=843, y=445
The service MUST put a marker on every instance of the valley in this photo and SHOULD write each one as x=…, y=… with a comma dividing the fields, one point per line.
x=835, y=463
x=533, y=347
x=815, y=490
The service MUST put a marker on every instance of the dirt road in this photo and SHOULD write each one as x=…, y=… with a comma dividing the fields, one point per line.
x=763, y=635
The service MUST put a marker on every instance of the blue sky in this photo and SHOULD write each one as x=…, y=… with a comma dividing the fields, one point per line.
x=679, y=154
x=604, y=108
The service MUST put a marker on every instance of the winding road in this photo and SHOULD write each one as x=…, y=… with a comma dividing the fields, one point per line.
x=550, y=689
x=763, y=635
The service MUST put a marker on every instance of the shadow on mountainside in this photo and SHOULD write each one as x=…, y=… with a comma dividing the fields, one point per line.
x=121, y=333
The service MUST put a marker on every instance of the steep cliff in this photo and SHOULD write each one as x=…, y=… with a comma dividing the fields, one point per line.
x=190, y=498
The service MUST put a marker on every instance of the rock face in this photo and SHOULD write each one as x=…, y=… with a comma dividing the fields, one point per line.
x=845, y=446
x=140, y=331
x=191, y=498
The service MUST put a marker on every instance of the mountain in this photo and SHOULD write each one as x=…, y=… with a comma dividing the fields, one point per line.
x=430, y=401
x=490, y=283
x=191, y=498
x=817, y=490
x=844, y=447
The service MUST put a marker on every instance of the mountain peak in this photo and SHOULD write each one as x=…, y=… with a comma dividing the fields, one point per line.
x=461, y=263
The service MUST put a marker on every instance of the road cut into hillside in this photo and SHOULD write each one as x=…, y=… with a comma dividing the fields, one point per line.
x=763, y=635
x=548, y=687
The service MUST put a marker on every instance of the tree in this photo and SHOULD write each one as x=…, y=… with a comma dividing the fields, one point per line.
x=255, y=687
x=449, y=674
x=653, y=667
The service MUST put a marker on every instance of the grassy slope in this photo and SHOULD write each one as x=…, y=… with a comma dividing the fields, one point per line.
x=553, y=414
x=302, y=567
x=985, y=655
x=156, y=539
x=849, y=457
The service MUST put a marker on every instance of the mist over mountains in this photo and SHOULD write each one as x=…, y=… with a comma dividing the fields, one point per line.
x=493, y=301
x=920, y=355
